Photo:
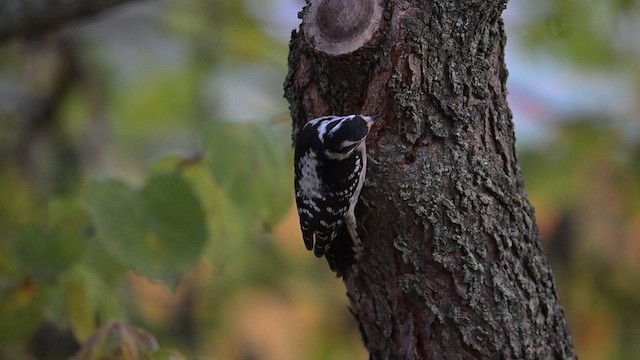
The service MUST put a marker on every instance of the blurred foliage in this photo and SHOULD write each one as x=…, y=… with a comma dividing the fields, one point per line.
x=158, y=231
x=585, y=181
x=145, y=178
x=116, y=340
x=141, y=184
x=584, y=186
x=588, y=32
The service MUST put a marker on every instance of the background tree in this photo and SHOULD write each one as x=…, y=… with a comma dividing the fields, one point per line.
x=453, y=266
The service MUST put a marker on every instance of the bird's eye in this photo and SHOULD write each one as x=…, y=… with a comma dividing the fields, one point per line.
x=348, y=147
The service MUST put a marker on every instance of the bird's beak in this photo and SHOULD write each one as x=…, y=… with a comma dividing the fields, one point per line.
x=375, y=118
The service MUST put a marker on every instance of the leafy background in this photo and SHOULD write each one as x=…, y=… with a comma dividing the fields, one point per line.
x=146, y=178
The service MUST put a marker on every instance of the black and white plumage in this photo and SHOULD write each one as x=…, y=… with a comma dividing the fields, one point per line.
x=330, y=168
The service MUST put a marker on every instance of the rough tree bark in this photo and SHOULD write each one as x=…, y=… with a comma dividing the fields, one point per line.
x=29, y=17
x=453, y=266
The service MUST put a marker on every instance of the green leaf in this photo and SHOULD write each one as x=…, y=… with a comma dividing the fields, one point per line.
x=18, y=204
x=83, y=299
x=178, y=223
x=252, y=162
x=103, y=262
x=121, y=222
x=80, y=307
x=159, y=231
x=21, y=310
x=44, y=252
x=230, y=228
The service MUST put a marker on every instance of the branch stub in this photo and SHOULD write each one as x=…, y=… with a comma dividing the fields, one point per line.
x=339, y=27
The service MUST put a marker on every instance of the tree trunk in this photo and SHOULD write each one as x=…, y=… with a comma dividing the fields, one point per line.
x=453, y=266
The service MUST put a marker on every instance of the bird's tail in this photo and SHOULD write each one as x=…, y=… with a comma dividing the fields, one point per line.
x=340, y=254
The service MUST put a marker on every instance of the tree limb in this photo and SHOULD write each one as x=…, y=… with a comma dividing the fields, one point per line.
x=29, y=17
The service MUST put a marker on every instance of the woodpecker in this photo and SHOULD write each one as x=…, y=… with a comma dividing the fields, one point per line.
x=330, y=168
